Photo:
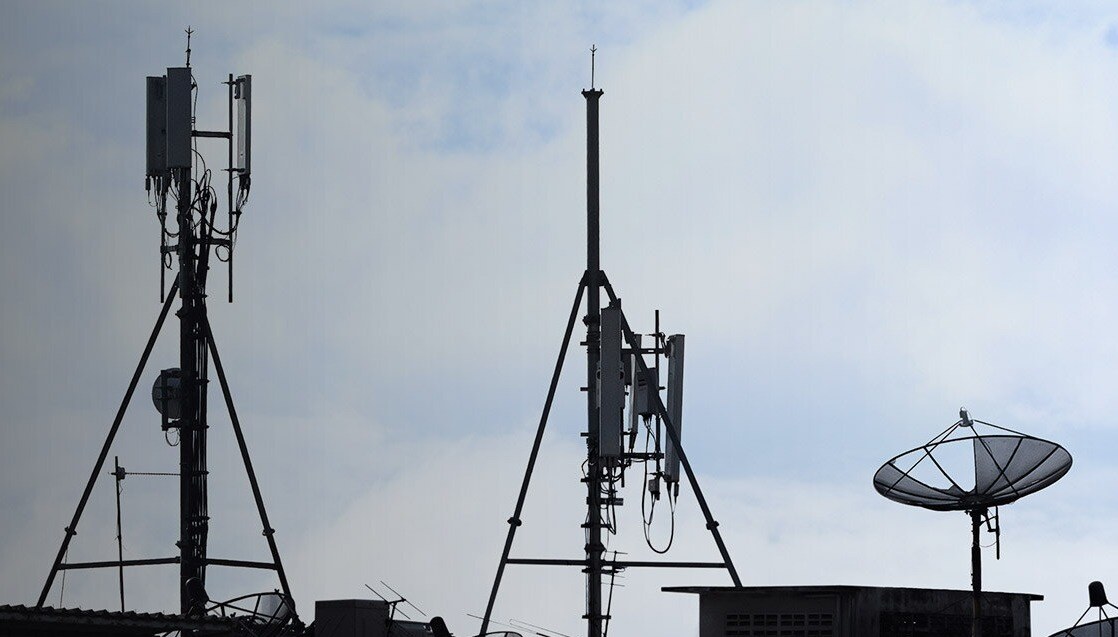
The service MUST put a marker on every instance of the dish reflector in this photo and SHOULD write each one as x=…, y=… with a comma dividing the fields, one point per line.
x=1103, y=628
x=1005, y=466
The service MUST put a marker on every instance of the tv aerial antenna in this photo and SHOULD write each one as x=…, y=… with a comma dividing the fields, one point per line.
x=1004, y=465
x=177, y=174
x=393, y=604
x=1103, y=626
x=616, y=373
x=505, y=633
x=547, y=632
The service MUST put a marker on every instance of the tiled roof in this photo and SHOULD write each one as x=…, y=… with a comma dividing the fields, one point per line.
x=78, y=621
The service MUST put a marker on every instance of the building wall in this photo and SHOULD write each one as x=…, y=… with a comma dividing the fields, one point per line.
x=735, y=615
x=848, y=611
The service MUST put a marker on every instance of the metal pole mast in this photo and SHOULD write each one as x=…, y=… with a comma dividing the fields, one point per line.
x=118, y=475
x=976, y=571
x=594, y=546
x=193, y=521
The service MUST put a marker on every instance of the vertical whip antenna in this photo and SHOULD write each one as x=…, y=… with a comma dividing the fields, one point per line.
x=189, y=32
x=593, y=50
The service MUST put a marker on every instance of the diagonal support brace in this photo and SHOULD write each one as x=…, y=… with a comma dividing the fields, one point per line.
x=268, y=531
x=71, y=530
x=515, y=521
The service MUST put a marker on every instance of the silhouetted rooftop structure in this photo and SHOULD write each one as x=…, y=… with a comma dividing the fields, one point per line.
x=854, y=611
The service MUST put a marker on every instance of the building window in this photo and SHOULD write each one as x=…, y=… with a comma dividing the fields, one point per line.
x=894, y=624
x=780, y=625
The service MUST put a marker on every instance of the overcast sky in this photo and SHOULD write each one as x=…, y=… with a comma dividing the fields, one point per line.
x=862, y=215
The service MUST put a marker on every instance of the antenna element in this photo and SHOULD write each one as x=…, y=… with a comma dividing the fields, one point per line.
x=593, y=50
x=189, y=32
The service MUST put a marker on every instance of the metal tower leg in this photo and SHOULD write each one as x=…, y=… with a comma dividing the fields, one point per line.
x=72, y=529
x=269, y=532
x=515, y=521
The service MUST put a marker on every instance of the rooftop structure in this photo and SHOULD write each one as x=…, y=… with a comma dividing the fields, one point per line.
x=854, y=611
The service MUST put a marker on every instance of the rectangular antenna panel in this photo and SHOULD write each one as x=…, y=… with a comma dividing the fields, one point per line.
x=640, y=396
x=179, y=125
x=242, y=92
x=156, y=126
x=674, y=406
x=629, y=364
x=611, y=385
x=631, y=380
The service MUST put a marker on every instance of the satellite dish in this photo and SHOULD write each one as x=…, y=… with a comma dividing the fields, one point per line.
x=1104, y=626
x=1006, y=466
x=973, y=469
x=1101, y=628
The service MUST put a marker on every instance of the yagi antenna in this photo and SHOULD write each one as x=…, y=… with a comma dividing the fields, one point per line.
x=374, y=591
x=402, y=598
x=394, y=603
x=547, y=631
x=494, y=621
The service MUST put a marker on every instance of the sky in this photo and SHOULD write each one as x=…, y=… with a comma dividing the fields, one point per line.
x=863, y=215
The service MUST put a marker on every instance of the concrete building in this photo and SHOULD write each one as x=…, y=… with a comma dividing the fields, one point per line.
x=854, y=611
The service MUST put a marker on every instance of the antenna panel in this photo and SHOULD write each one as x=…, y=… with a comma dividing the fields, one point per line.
x=242, y=93
x=179, y=125
x=640, y=397
x=611, y=385
x=156, y=126
x=630, y=361
x=674, y=406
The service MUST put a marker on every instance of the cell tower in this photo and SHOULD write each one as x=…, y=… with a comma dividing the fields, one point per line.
x=177, y=172
x=615, y=370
